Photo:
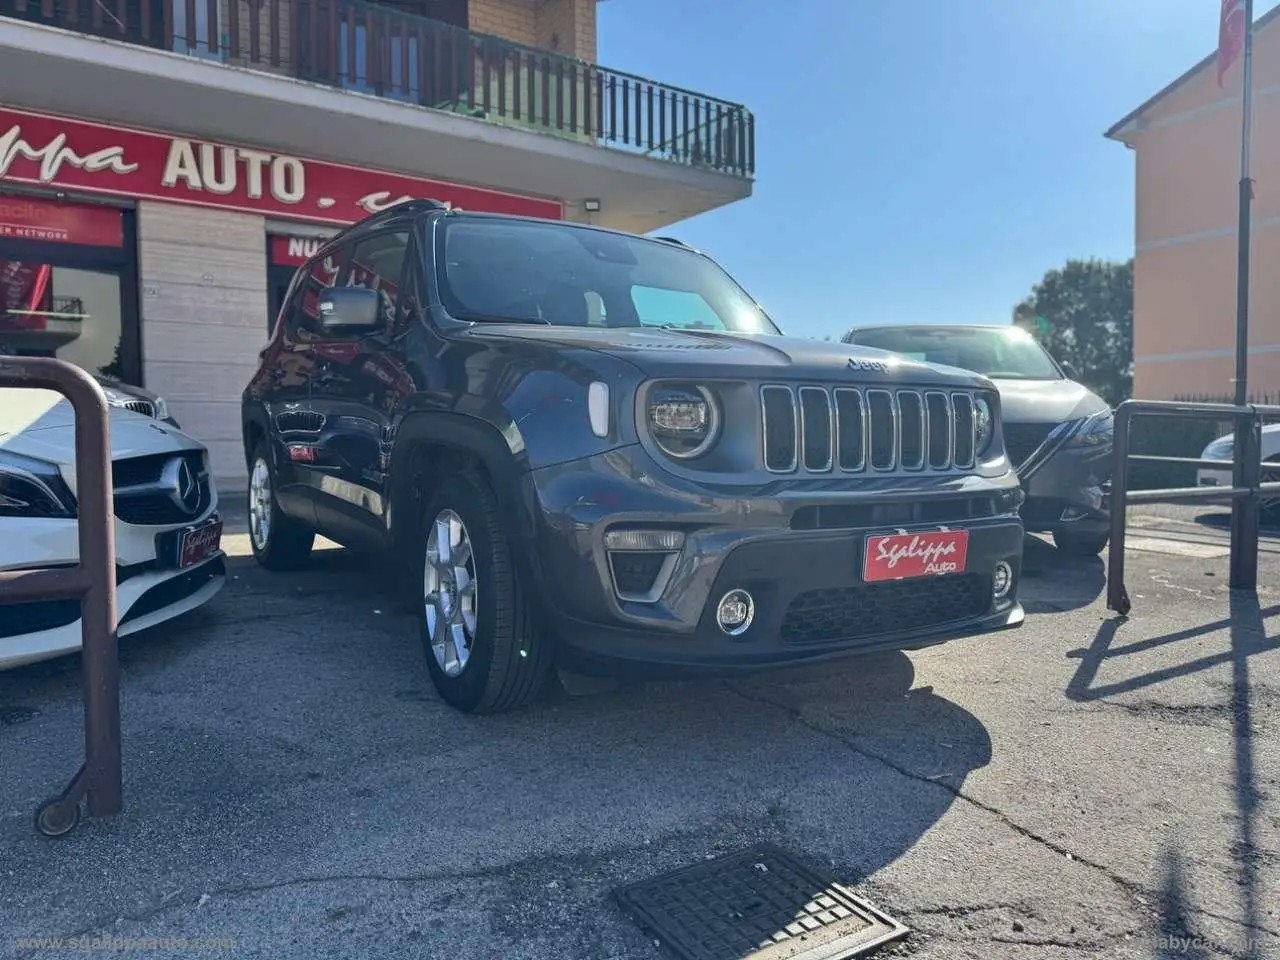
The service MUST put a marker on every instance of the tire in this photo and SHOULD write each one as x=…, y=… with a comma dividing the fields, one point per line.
x=285, y=544
x=507, y=659
x=1080, y=544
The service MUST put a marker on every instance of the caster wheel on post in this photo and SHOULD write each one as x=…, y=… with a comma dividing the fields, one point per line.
x=1123, y=607
x=51, y=822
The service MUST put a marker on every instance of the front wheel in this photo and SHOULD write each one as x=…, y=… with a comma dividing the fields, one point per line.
x=1079, y=544
x=279, y=542
x=484, y=651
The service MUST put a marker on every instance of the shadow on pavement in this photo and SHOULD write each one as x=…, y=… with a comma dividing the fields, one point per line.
x=1247, y=630
x=288, y=734
x=1055, y=582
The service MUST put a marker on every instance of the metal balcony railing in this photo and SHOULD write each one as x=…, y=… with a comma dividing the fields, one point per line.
x=385, y=52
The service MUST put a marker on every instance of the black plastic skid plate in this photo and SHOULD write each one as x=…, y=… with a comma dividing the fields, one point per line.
x=757, y=904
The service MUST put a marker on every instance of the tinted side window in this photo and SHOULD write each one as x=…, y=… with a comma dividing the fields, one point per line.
x=377, y=263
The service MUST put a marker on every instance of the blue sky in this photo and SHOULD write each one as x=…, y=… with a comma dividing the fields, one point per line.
x=922, y=161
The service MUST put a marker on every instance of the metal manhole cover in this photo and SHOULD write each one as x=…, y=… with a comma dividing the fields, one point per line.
x=758, y=904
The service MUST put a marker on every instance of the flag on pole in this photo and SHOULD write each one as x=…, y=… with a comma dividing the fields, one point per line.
x=1231, y=30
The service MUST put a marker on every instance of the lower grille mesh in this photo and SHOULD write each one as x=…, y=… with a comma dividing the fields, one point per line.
x=867, y=611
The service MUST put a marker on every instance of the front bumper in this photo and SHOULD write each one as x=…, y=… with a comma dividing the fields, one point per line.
x=150, y=590
x=1068, y=486
x=797, y=549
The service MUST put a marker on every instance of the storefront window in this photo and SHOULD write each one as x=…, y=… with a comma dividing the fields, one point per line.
x=68, y=286
x=63, y=312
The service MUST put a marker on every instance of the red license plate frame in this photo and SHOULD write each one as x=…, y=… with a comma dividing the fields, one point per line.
x=910, y=556
x=199, y=544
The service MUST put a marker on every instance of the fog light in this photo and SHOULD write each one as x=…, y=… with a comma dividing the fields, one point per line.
x=735, y=611
x=1001, y=580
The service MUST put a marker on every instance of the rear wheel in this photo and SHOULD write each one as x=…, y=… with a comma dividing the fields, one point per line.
x=1080, y=544
x=483, y=647
x=279, y=542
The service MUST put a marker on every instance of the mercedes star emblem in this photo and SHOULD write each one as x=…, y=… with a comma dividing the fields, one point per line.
x=180, y=483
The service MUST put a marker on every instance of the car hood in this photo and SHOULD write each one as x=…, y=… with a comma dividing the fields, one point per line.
x=1046, y=401
x=699, y=353
x=41, y=423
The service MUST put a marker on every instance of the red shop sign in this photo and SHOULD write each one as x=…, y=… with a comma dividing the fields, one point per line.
x=22, y=218
x=74, y=154
x=293, y=251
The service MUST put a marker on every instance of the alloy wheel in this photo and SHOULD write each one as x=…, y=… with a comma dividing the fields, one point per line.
x=260, y=504
x=449, y=592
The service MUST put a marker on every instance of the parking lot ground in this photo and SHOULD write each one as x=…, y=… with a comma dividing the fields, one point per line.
x=294, y=788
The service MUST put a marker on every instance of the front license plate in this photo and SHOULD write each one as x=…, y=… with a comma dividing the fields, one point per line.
x=199, y=544
x=898, y=556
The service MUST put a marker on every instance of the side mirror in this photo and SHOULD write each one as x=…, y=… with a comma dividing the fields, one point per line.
x=355, y=308
x=1069, y=369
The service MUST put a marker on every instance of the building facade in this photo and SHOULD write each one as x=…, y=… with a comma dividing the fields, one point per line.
x=1186, y=143
x=165, y=165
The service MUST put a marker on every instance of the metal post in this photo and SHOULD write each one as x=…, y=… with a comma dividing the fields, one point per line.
x=1117, y=597
x=100, y=657
x=1244, y=511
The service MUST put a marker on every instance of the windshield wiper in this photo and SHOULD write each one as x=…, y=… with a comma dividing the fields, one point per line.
x=489, y=318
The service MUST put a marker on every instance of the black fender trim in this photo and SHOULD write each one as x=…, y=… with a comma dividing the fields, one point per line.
x=473, y=436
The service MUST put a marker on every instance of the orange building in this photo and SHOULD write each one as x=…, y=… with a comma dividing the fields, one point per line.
x=1186, y=143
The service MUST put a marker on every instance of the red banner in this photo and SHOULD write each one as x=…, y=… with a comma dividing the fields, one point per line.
x=22, y=218
x=1232, y=26
x=76, y=155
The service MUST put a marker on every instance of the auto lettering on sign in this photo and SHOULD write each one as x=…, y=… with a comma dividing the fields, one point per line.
x=63, y=153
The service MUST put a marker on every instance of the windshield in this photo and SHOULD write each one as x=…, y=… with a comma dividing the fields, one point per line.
x=1011, y=354
x=566, y=275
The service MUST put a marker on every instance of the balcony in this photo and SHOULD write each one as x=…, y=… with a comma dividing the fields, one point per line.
x=388, y=54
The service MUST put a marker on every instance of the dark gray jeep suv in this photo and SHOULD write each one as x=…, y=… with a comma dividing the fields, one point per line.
x=594, y=450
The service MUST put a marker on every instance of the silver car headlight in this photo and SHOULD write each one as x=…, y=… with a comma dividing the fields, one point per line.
x=162, y=409
x=1098, y=430
x=682, y=419
x=33, y=488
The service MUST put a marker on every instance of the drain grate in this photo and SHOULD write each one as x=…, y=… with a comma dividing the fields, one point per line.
x=757, y=904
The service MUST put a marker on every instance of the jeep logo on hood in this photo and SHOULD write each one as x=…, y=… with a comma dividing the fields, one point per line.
x=869, y=366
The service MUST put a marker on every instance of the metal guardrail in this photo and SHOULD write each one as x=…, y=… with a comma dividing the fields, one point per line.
x=92, y=582
x=1243, y=494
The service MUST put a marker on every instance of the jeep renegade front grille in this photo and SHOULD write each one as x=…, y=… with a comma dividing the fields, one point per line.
x=820, y=429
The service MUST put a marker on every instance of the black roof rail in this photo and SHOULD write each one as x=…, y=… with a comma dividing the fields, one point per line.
x=410, y=207
x=405, y=208
x=678, y=243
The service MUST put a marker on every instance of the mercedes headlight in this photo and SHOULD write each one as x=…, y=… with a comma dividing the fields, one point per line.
x=683, y=421
x=984, y=426
x=1096, y=431
x=32, y=488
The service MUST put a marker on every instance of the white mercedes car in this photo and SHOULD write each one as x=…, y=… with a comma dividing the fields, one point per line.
x=167, y=528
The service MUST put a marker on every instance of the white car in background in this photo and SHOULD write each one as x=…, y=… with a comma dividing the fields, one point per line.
x=167, y=529
x=1224, y=449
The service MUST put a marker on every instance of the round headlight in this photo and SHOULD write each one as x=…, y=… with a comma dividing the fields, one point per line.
x=683, y=421
x=984, y=425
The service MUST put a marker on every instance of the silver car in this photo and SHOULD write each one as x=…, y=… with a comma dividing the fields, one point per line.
x=1058, y=433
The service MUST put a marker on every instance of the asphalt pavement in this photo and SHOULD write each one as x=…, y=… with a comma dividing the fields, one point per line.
x=1081, y=786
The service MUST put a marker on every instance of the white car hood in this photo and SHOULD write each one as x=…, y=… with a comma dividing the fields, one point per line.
x=41, y=424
